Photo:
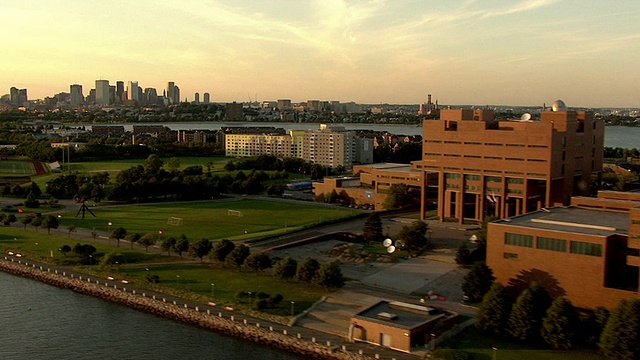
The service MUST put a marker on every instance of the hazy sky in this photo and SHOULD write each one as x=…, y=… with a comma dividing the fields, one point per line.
x=514, y=52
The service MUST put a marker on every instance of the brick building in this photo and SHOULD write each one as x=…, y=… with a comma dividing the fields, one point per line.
x=588, y=252
x=497, y=168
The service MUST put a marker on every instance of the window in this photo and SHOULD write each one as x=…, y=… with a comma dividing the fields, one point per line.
x=518, y=240
x=472, y=177
x=510, y=256
x=583, y=248
x=515, y=181
x=452, y=176
x=552, y=244
x=493, y=179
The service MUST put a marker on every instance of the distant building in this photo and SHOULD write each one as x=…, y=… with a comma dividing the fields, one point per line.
x=18, y=96
x=194, y=136
x=284, y=104
x=132, y=91
x=313, y=105
x=428, y=108
x=240, y=145
x=102, y=92
x=148, y=129
x=120, y=92
x=588, y=252
x=233, y=111
x=206, y=98
x=107, y=130
x=506, y=168
x=77, y=99
x=330, y=146
x=196, y=99
x=173, y=97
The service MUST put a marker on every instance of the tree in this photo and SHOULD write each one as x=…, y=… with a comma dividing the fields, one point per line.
x=560, y=327
x=372, y=231
x=26, y=220
x=222, y=249
x=493, y=314
x=11, y=218
x=173, y=164
x=620, y=338
x=118, y=234
x=70, y=228
x=238, y=255
x=528, y=313
x=50, y=222
x=84, y=251
x=153, y=164
x=477, y=282
x=147, y=240
x=307, y=270
x=133, y=238
x=329, y=275
x=399, y=196
x=413, y=237
x=182, y=245
x=36, y=222
x=65, y=249
x=258, y=261
x=200, y=248
x=168, y=244
x=286, y=268
x=31, y=201
x=463, y=255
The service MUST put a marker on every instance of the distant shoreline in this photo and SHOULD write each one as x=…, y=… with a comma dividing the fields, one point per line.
x=189, y=315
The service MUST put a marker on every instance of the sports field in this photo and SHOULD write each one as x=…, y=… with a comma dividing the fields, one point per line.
x=16, y=168
x=211, y=219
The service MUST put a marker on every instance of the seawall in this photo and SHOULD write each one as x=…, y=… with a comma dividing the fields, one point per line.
x=190, y=315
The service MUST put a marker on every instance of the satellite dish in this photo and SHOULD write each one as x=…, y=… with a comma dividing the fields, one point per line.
x=387, y=242
x=391, y=249
x=398, y=243
x=525, y=117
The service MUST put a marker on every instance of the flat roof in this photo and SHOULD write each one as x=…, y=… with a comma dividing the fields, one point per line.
x=407, y=316
x=383, y=166
x=573, y=219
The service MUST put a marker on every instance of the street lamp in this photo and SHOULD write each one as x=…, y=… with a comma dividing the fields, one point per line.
x=118, y=267
x=495, y=353
x=177, y=279
x=59, y=222
x=109, y=234
x=429, y=232
x=433, y=341
x=292, y=307
x=213, y=287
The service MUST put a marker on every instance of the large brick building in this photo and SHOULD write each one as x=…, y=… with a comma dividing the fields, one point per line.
x=588, y=252
x=497, y=168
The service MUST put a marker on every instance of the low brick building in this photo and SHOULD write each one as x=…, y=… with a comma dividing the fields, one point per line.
x=400, y=326
x=588, y=252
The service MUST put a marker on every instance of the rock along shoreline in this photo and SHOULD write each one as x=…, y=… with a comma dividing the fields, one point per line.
x=194, y=316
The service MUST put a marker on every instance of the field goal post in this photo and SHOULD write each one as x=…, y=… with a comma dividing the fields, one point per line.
x=236, y=213
x=175, y=221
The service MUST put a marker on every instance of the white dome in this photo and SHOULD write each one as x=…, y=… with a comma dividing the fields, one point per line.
x=559, y=105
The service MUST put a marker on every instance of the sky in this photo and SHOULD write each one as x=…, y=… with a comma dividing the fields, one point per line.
x=483, y=52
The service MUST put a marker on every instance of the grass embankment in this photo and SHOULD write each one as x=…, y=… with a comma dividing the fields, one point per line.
x=481, y=345
x=184, y=278
x=209, y=219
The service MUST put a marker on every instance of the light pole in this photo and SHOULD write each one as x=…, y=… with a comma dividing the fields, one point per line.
x=433, y=341
x=118, y=267
x=109, y=234
x=213, y=287
x=429, y=232
x=177, y=280
x=292, y=308
x=494, y=356
x=59, y=222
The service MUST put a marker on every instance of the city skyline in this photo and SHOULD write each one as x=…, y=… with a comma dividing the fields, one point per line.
x=465, y=52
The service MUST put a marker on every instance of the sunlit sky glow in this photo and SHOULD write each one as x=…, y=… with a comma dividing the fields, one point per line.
x=511, y=52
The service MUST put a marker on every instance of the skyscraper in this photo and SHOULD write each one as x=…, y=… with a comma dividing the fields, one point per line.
x=102, y=92
x=206, y=98
x=132, y=91
x=171, y=93
x=76, y=95
x=197, y=98
x=119, y=91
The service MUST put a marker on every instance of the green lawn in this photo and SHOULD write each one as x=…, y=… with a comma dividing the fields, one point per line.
x=16, y=168
x=118, y=165
x=194, y=281
x=480, y=345
x=208, y=219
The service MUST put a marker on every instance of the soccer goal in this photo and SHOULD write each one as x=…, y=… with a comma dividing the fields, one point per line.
x=237, y=213
x=175, y=221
